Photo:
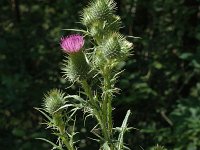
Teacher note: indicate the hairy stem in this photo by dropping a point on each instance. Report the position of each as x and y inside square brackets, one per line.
[98, 113]
[107, 105]
[61, 127]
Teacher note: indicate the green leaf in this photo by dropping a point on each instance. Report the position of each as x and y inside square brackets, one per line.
[77, 30]
[120, 144]
[40, 110]
[196, 64]
[157, 65]
[76, 97]
[185, 56]
[54, 145]
[106, 146]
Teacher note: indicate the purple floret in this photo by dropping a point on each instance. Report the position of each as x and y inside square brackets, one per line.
[72, 43]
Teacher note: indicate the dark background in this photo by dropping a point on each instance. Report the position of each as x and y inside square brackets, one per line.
[161, 83]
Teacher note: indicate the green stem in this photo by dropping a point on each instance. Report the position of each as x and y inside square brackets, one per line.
[61, 127]
[88, 91]
[98, 113]
[65, 140]
[107, 106]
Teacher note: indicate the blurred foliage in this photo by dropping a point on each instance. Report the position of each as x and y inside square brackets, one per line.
[161, 82]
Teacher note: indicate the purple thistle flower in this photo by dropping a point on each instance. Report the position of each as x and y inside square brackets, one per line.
[72, 43]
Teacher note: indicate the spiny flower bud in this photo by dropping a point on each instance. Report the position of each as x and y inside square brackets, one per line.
[98, 58]
[99, 28]
[53, 100]
[98, 10]
[126, 47]
[111, 47]
[115, 46]
[115, 23]
[96, 29]
[76, 67]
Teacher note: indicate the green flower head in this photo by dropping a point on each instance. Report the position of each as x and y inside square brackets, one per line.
[53, 100]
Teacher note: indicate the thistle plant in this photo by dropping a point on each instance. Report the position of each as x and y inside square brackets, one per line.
[96, 70]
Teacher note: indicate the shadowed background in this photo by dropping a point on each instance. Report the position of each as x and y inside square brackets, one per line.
[160, 84]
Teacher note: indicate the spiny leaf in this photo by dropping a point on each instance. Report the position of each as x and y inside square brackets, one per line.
[54, 145]
[40, 110]
[106, 146]
[134, 37]
[77, 30]
[64, 106]
[123, 127]
[75, 97]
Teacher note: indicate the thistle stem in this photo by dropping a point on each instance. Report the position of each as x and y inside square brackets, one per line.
[88, 91]
[107, 99]
[61, 127]
[65, 140]
[98, 113]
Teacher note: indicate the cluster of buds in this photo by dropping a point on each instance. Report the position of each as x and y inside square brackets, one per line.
[103, 26]
[111, 47]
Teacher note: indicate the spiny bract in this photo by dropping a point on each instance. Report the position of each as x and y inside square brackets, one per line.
[53, 100]
[76, 67]
[98, 10]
